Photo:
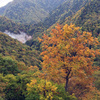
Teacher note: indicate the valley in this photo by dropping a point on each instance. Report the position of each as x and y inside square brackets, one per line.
[50, 50]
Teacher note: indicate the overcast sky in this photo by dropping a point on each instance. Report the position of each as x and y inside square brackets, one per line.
[4, 2]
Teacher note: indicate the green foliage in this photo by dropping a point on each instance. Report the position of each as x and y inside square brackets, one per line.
[8, 66]
[24, 85]
[34, 44]
[59, 15]
[88, 18]
[11, 26]
[14, 93]
[97, 59]
[97, 79]
[62, 94]
[1, 98]
[61, 12]
[45, 90]
[16, 87]
[68, 8]
[18, 51]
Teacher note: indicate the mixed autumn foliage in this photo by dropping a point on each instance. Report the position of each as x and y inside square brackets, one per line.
[70, 64]
[67, 69]
[68, 56]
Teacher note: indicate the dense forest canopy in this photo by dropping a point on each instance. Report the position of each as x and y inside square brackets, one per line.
[61, 61]
[88, 18]
[18, 51]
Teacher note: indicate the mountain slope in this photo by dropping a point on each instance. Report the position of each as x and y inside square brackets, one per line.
[88, 17]
[29, 11]
[66, 9]
[18, 51]
[89, 22]
[11, 26]
[14, 29]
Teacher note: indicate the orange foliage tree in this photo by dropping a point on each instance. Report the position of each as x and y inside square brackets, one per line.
[68, 53]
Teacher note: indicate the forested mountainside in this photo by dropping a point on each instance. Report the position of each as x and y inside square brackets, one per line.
[66, 9]
[59, 15]
[13, 27]
[62, 61]
[88, 18]
[18, 51]
[29, 11]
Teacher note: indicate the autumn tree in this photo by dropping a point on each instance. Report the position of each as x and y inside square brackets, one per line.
[68, 53]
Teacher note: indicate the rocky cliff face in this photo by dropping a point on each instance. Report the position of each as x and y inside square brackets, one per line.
[22, 37]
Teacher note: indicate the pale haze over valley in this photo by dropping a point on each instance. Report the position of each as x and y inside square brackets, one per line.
[4, 2]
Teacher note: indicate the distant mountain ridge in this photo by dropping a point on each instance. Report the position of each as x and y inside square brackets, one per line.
[29, 11]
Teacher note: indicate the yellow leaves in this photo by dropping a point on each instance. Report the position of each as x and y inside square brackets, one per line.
[84, 33]
[87, 52]
[76, 28]
[81, 52]
[73, 39]
[89, 34]
[31, 85]
[91, 39]
[43, 53]
[49, 48]
[85, 41]
[45, 57]
[67, 30]
[96, 41]
[40, 40]
[45, 88]
[32, 68]
[93, 55]
[66, 49]
[33, 82]
[65, 27]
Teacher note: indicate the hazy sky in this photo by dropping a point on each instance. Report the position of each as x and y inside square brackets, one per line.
[4, 2]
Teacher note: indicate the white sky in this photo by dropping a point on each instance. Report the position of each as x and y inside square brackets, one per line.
[4, 2]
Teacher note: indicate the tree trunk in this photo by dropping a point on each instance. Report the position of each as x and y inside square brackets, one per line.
[66, 85]
[67, 79]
